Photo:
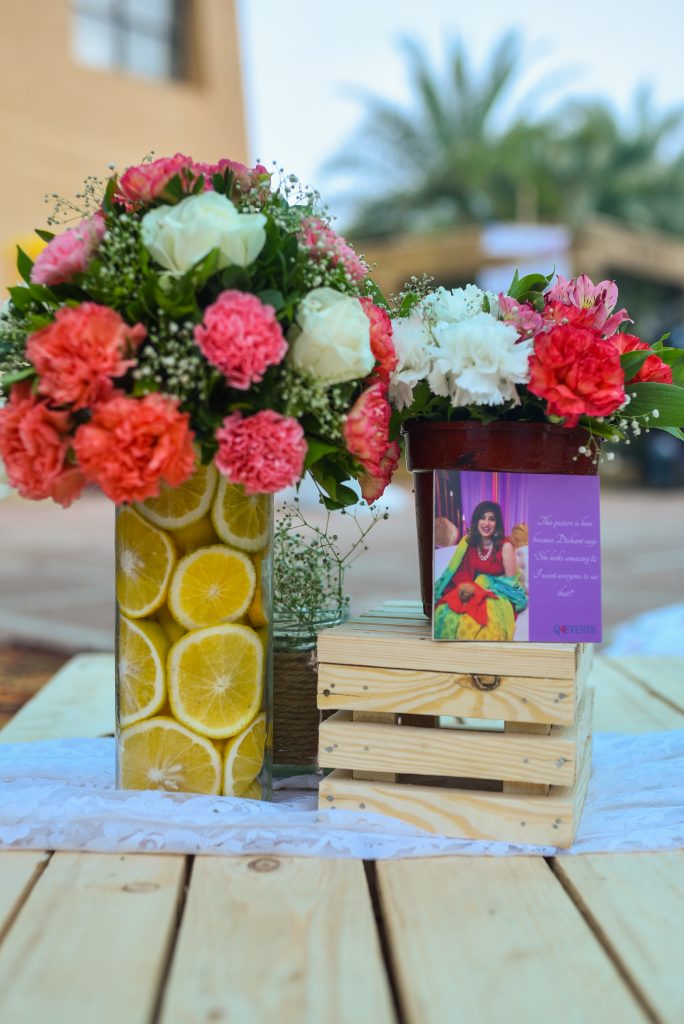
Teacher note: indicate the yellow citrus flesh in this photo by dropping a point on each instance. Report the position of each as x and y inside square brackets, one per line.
[176, 507]
[161, 754]
[256, 613]
[253, 792]
[196, 535]
[240, 519]
[215, 679]
[141, 667]
[173, 630]
[244, 756]
[211, 585]
[145, 557]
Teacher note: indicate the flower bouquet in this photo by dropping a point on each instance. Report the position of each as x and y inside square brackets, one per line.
[532, 381]
[196, 342]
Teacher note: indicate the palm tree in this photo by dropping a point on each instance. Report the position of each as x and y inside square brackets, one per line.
[453, 158]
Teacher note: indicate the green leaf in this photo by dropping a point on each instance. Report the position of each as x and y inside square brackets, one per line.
[272, 297]
[21, 298]
[668, 399]
[407, 303]
[631, 362]
[24, 264]
[675, 431]
[219, 183]
[108, 204]
[531, 285]
[317, 450]
[46, 236]
[16, 376]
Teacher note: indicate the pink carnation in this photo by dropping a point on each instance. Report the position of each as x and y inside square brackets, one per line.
[132, 444]
[366, 428]
[381, 342]
[146, 182]
[373, 485]
[70, 253]
[34, 442]
[241, 336]
[77, 355]
[264, 452]
[325, 244]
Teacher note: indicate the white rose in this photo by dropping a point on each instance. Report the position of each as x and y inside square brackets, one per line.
[479, 361]
[412, 343]
[331, 339]
[178, 237]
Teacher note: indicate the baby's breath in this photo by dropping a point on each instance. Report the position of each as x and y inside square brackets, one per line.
[301, 394]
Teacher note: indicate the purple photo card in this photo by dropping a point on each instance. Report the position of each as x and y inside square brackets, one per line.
[517, 556]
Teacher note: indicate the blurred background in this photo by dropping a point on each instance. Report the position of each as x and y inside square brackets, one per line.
[448, 139]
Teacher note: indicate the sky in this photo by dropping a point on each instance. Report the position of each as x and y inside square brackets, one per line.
[307, 62]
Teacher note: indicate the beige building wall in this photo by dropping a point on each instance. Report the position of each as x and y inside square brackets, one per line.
[62, 121]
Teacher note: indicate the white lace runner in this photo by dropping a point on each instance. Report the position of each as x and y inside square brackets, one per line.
[60, 795]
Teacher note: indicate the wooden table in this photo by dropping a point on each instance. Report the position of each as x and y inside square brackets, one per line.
[99, 938]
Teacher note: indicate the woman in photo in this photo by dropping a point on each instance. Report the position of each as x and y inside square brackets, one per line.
[479, 594]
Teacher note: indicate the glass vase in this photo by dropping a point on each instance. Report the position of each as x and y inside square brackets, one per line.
[295, 677]
[194, 640]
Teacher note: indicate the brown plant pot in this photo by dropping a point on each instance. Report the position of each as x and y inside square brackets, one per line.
[467, 444]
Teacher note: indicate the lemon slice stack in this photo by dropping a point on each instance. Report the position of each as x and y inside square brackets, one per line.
[191, 653]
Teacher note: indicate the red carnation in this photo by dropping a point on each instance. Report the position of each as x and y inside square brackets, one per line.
[653, 370]
[381, 342]
[366, 428]
[577, 373]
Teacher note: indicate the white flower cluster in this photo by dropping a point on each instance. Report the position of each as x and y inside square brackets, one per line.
[464, 353]
[5, 487]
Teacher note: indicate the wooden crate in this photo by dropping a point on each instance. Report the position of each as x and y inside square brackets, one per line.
[472, 740]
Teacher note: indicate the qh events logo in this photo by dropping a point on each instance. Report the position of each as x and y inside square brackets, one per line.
[574, 630]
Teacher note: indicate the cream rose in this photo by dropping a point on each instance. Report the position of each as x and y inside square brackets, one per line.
[331, 339]
[179, 236]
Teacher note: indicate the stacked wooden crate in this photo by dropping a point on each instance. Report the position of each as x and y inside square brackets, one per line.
[472, 740]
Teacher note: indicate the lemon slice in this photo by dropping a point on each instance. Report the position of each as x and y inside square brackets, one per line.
[244, 756]
[176, 507]
[141, 667]
[196, 535]
[212, 585]
[253, 792]
[173, 630]
[145, 557]
[255, 612]
[161, 754]
[240, 519]
[215, 679]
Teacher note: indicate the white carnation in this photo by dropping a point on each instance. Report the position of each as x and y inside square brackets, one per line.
[412, 343]
[478, 361]
[452, 307]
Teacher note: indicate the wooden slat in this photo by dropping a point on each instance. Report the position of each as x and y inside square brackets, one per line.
[19, 870]
[266, 939]
[372, 716]
[466, 813]
[636, 902]
[451, 752]
[531, 788]
[92, 940]
[78, 701]
[623, 705]
[662, 675]
[495, 940]
[516, 698]
[411, 647]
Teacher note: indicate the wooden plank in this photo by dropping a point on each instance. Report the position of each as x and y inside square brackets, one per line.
[19, 870]
[515, 698]
[372, 716]
[468, 813]
[532, 788]
[286, 939]
[412, 647]
[451, 752]
[623, 705]
[636, 903]
[661, 675]
[91, 942]
[495, 940]
[78, 701]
